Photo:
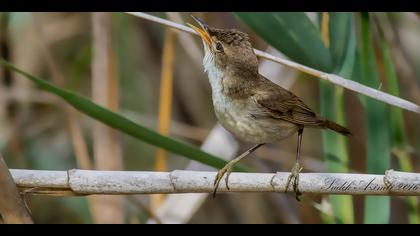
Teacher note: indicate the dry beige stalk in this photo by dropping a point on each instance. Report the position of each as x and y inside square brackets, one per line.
[12, 206]
[165, 104]
[106, 141]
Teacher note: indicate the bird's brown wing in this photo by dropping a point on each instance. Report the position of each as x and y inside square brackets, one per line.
[282, 104]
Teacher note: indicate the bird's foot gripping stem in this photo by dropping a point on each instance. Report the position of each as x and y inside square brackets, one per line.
[295, 176]
[225, 170]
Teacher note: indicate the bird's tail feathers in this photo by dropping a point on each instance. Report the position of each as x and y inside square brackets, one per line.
[336, 127]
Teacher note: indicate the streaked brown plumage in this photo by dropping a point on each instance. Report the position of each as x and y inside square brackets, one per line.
[246, 103]
[283, 104]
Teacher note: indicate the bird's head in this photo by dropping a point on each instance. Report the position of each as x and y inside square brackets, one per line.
[226, 49]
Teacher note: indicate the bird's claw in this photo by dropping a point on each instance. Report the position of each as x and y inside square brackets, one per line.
[225, 170]
[295, 176]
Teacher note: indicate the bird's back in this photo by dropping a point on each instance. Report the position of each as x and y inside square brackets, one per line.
[282, 104]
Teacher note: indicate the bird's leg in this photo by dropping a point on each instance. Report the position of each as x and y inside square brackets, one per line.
[296, 168]
[227, 169]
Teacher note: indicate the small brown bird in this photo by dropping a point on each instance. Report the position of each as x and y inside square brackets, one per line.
[247, 104]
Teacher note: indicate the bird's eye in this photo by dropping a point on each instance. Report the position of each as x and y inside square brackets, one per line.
[219, 46]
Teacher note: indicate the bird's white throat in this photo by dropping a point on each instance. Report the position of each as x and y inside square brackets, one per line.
[214, 73]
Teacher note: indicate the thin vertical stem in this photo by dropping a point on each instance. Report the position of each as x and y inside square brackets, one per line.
[165, 103]
[325, 29]
[332, 107]
[377, 209]
[106, 144]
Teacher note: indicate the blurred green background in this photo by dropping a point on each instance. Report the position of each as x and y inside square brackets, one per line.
[380, 50]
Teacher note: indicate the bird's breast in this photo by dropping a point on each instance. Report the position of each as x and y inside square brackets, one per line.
[237, 116]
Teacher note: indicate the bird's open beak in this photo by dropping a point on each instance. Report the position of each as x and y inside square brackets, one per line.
[203, 31]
